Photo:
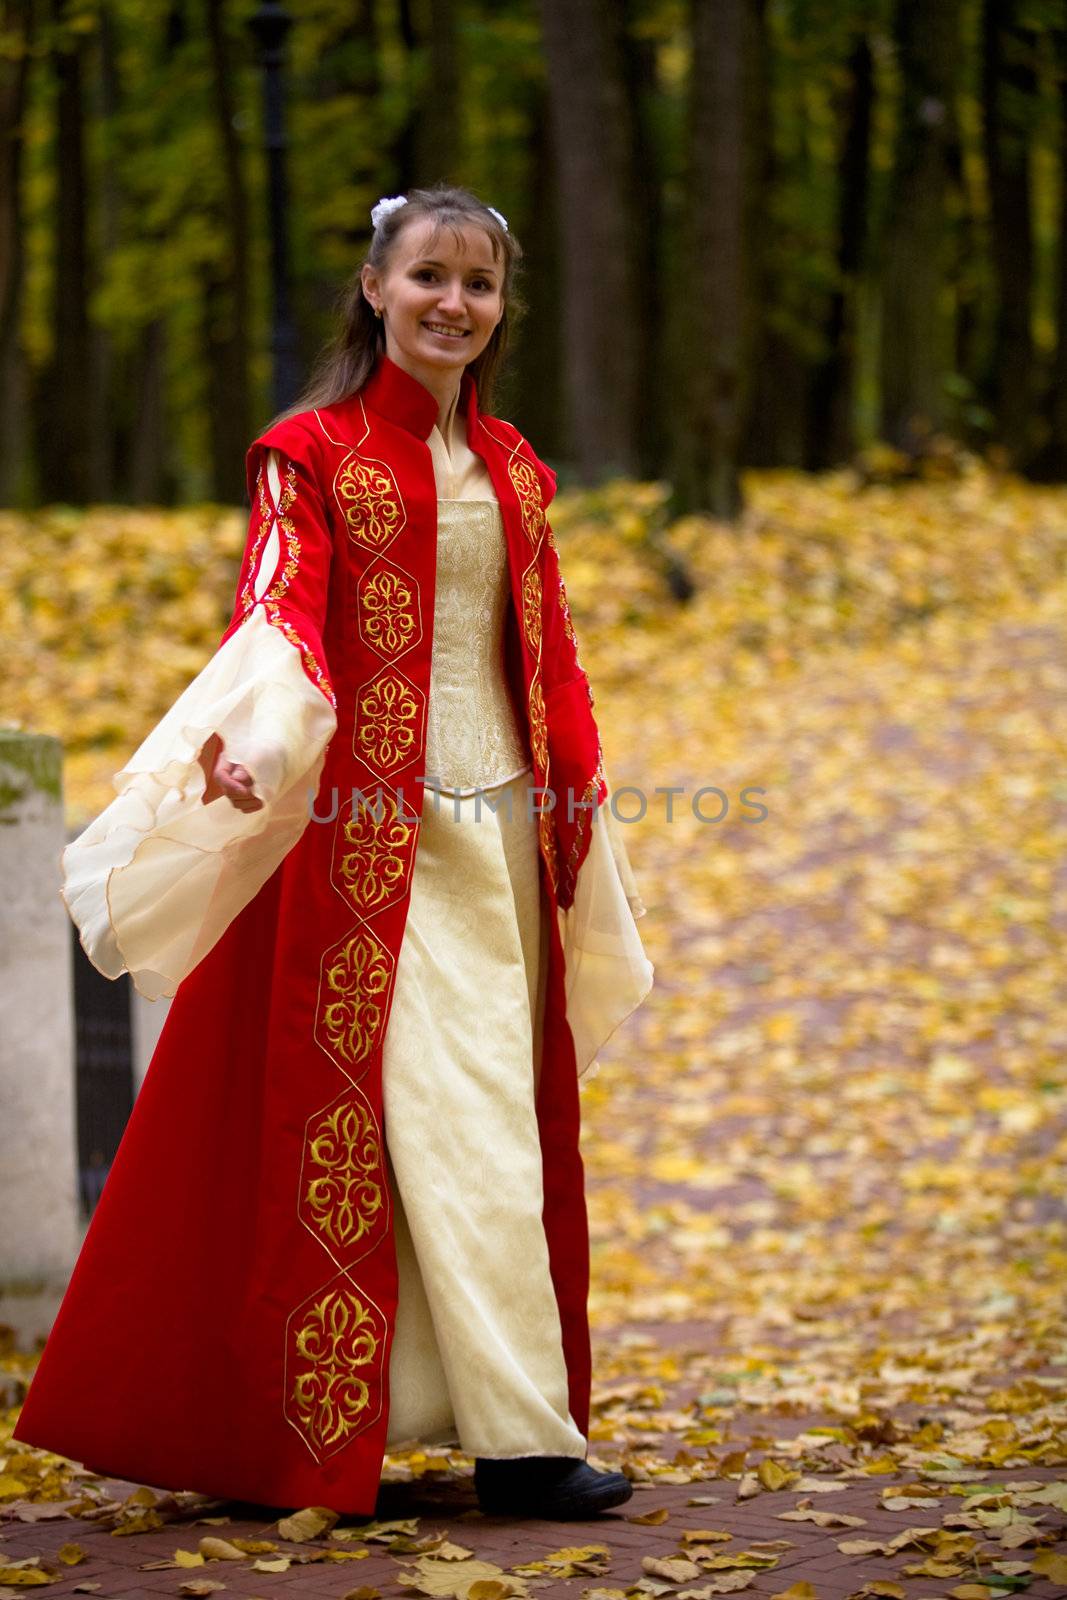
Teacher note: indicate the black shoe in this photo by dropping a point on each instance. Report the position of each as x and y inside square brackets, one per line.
[559, 1488]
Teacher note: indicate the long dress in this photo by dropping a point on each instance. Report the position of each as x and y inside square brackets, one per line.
[477, 1355]
[158, 877]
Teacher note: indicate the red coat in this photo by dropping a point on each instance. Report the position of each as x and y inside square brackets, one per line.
[229, 1321]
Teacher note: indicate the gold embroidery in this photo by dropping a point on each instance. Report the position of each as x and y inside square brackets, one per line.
[370, 503]
[583, 818]
[388, 618]
[248, 588]
[549, 847]
[374, 870]
[352, 993]
[388, 721]
[342, 1192]
[292, 543]
[528, 488]
[332, 1360]
[307, 655]
[531, 609]
[538, 727]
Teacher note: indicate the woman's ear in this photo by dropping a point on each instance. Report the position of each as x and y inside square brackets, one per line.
[369, 280]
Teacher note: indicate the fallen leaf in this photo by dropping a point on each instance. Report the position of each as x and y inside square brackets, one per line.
[309, 1523]
[823, 1519]
[214, 1549]
[674, 1568]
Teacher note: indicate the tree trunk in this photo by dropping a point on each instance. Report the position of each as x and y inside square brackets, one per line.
[17, 25]
[226, 289]
[148, 443]
[439, 125]
[1054, 455]
[66, 412]
[831, 437]
[651, 417]
[916, 338]
[1009, 86]
[533, 377]
[601, 310]
[723, 182]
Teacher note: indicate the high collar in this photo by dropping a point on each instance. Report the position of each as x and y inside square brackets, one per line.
[397, 396]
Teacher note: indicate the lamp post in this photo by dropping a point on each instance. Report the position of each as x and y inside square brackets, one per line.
[270, 24]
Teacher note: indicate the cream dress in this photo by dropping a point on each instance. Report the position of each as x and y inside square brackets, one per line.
[477, 1357]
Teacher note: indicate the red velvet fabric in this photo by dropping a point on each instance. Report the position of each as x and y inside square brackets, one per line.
[229, 1320]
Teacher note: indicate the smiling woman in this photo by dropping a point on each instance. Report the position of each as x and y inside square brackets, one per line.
[364, 1104]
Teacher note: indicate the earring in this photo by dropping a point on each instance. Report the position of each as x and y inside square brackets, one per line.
[377, 311]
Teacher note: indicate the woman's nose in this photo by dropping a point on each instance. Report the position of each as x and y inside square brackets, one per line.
[452, 296]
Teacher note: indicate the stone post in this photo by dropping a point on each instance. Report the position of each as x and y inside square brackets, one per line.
[40, 1218]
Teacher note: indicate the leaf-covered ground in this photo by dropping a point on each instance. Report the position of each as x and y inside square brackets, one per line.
[828, 1158]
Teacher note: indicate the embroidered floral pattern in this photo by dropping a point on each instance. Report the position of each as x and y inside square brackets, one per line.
[307, 655]
[248, 587]
[546, 830]
[583, 821]
[388, 616]
[538, 727]
[341, 1188]
[370, 503]
[373, 851]
[531, 609]
[389, 714]
[333, 1367]
[353, 990]
[528, 488]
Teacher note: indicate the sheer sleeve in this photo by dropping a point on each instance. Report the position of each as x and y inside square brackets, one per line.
[608, 974]
[156, 879]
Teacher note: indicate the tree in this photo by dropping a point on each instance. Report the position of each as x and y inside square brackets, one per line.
[916, 334]
[601, 312]
[724, 95]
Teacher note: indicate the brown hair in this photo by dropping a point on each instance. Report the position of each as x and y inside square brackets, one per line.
[347, 361]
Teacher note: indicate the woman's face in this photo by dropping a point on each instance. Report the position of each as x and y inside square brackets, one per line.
[441, 297]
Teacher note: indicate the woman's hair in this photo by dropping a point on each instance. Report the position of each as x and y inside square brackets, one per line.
[348, 360]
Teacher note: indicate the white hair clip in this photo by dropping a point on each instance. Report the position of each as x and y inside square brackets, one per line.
[503, 221]
[384, 206]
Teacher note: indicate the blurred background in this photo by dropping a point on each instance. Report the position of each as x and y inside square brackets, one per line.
[758, 232]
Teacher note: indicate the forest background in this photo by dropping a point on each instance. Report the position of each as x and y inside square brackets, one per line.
[757, 232]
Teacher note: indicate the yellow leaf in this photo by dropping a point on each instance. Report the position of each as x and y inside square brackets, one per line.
[307, 1524]
[674, 1568]
[1050, 1566]
[772, 1476]
[214, 1549]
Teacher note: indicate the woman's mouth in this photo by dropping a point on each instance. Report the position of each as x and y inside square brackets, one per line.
[442, 327]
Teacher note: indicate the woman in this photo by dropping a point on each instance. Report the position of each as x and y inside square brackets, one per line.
[364, 852]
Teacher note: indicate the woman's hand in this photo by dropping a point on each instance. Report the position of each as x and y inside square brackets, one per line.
[227, 778]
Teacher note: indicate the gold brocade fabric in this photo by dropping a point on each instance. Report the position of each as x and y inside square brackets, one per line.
[473, 736]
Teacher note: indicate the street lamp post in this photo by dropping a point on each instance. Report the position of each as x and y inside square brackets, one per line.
[270, 24]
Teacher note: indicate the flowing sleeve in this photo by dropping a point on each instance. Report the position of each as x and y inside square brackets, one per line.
[608, 974]
[158, 876]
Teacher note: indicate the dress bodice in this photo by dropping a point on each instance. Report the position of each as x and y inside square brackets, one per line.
[473, 739]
